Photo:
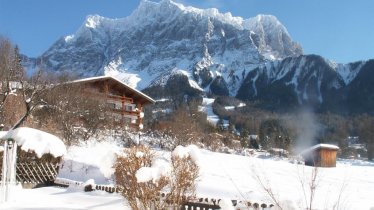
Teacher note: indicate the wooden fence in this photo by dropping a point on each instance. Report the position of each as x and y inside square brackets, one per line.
[32, 171]
[193, 205]
[35, 173]
[109, 189]
[201, 206]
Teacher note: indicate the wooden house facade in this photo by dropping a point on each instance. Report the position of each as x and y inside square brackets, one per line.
[125, 105]
[321, 155]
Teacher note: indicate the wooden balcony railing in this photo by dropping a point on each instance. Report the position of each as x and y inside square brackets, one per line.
[125, 112]
[100, 95]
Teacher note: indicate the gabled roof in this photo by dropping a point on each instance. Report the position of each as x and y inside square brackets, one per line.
[102, 78]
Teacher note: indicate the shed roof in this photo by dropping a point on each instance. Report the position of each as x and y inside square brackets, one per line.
[30, 139]
[320, 146]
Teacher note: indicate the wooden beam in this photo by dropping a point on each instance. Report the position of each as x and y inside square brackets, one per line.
[124, 112]
[106, 87]
[121, 98]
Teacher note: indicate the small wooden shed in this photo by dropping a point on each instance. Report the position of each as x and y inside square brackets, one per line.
[321, 155]
[33, 155]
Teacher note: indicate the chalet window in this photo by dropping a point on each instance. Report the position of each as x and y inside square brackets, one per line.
[114, 105]
[129, 108]
[111, 105]
[118, 106]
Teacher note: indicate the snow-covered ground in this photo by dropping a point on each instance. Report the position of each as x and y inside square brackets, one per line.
[91, 160]
[55, 198]
[234, 177]
[222, 176]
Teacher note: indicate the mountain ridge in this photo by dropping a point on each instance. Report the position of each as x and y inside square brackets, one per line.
[182, 37]
[208, 52]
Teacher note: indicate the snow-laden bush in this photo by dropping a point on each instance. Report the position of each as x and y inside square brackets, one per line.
[144, 178]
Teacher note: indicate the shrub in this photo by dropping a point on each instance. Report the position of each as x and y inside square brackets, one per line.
[177, 184]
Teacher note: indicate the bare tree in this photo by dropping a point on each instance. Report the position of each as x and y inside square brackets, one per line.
[309, 186]
[7, 73]
[364, 125]
[264, 183]
[14, 83]
[68, 111]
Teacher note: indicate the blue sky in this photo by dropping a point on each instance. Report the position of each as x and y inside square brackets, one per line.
[340, 30]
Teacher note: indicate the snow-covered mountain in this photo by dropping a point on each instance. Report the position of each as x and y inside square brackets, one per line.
[166, 48]
[160, 39]
[311, 80]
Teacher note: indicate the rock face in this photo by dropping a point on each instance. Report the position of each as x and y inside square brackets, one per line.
[163, 37]
[170, 49]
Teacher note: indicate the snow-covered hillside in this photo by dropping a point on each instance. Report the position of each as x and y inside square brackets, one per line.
[161, 36]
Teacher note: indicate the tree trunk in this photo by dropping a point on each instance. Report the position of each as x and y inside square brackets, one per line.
[370, 148]
[24, 117]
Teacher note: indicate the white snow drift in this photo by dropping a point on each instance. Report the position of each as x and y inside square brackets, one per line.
[40, 142]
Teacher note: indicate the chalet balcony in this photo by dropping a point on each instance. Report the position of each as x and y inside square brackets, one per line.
[102, 95]
[125, 112]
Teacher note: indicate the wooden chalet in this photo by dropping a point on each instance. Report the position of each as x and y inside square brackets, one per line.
[125, 104]
[321, 155]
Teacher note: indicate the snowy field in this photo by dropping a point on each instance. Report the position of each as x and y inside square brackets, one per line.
[55, 198]
[348, 186]
[234, 177]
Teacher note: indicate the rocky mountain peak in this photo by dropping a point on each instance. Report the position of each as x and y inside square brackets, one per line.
[274, 40]
[163, 37]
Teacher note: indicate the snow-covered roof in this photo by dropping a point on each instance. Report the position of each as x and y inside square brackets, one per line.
[40, 142]
[320, 146]
[253, 136]
[92, 79]
[2, 134]
[325, 146]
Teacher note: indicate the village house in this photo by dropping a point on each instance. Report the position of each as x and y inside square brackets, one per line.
[125, 104]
